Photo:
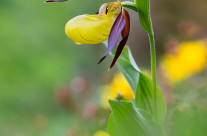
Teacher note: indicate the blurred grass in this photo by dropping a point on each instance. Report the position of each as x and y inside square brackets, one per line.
[187, 116]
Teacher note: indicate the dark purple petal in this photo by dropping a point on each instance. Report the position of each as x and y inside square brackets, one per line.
[119, 50]
[125, 35]
[114, 35]
[56, 0]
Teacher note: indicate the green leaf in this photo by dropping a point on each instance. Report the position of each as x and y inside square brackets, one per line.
[128, 67]
[126, 120]
[143, 8]
[144, 99]
[141, 86]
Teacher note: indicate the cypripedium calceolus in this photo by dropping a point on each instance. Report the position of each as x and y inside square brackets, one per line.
[111, 21]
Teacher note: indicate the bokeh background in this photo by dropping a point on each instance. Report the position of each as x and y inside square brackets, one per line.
[51, 87]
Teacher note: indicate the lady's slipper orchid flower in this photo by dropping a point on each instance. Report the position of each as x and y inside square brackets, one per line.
[111, 21]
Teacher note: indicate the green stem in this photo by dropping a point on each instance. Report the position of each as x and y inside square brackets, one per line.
[153, 68]
[130, 5]
[149, 29]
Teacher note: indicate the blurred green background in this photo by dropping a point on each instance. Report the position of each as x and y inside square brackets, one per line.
[38, 61]
[36, 58]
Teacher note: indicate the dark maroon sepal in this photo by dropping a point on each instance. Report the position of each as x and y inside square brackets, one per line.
[116, 30]
[56, 0]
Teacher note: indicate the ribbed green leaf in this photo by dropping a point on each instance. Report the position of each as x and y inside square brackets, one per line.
[129, 68]
[141, 86]
[144, 100]
[126, 120]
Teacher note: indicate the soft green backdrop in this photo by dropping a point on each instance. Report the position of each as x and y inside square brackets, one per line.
[35, 58]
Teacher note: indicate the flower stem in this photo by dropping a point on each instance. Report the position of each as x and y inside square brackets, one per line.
[130, 5]
[153, 68]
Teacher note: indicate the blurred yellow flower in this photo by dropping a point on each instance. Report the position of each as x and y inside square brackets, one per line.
[100, 133]
[117, 89]
[190, 58]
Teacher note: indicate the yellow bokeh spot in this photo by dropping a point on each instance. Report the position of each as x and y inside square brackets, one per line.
[190, 58]
[119, 87]
[101, 133]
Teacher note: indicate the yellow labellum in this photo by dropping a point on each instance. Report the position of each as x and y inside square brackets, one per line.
[93, 29]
